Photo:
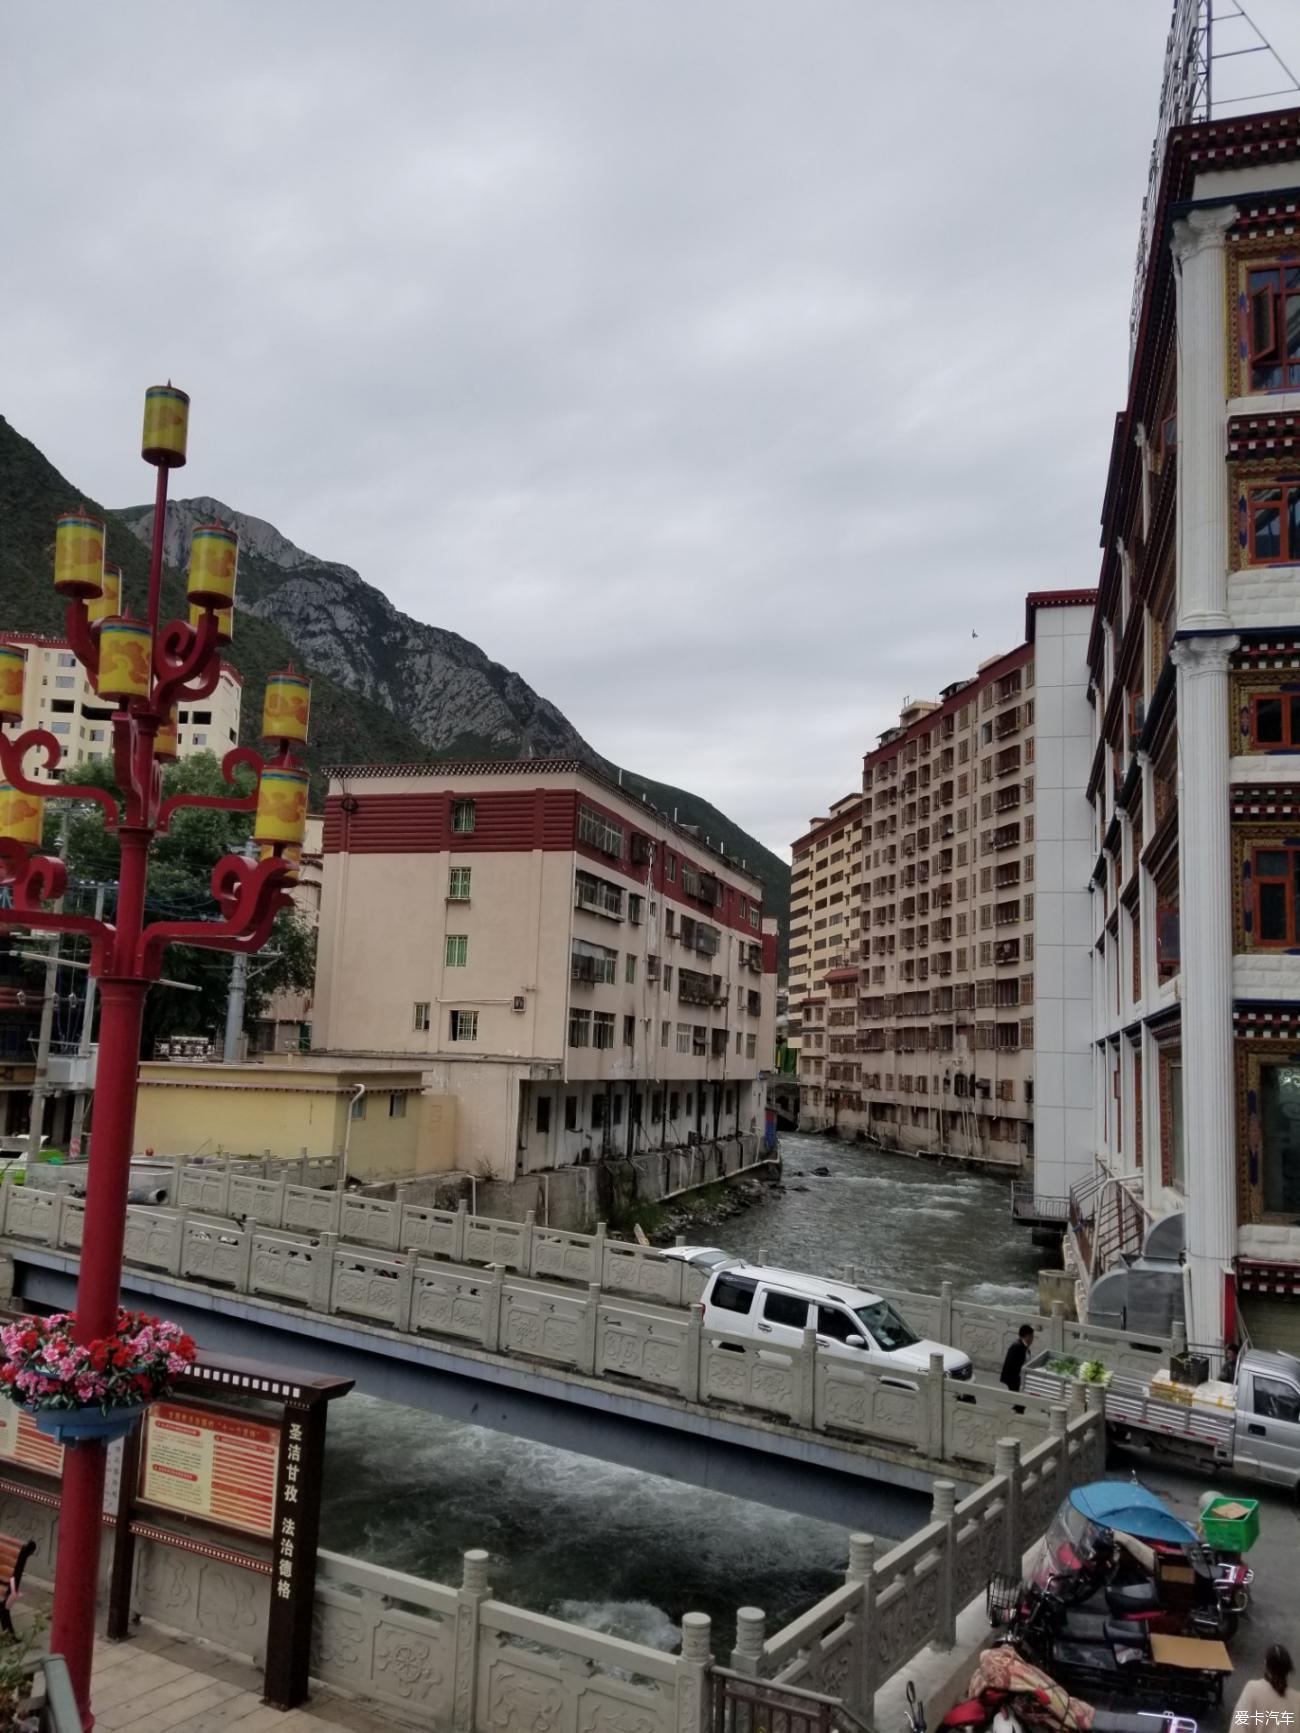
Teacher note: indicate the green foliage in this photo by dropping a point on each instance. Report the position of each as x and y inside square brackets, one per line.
[180, 888]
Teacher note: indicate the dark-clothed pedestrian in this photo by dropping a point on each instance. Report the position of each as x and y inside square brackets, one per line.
[1017, 1354]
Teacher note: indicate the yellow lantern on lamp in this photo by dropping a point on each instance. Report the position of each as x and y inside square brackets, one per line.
[281, 805]
[22, 816]
[286, 709]
[214, 560]
[13, 667]
[109, 600]
[79, 556]
[225, 621]
[125, 659]
[166, 426]
[290, 853]
[167, 741]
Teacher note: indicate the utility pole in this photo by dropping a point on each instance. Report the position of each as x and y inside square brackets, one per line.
[40, 1082]
[83, 1043]
[238, 991]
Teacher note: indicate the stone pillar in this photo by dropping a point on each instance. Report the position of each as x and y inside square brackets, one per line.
[946, 1609]
[1198, 248]
[1007, 1466]
[1205, 930]
[751, 1634]
[693, 1706]
[860, 1691]
[474, 1590]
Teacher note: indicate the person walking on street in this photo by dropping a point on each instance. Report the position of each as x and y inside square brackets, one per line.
[1017, 1354]
[1273, 1696]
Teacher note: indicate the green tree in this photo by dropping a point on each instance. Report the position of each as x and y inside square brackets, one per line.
[180, 888]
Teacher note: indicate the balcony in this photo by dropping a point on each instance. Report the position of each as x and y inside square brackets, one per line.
[1008, 799]
[695, 989]
[1006, 951]
[754, 1004]
[1008, 876]
[1007, 762]
[1006, 836]
[598, 898]
[1007, 724]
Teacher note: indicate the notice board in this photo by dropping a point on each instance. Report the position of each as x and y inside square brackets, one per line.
[22, 1441]
[217, 1465]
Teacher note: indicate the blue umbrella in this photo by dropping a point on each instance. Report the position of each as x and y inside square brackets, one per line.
[1130, 1508]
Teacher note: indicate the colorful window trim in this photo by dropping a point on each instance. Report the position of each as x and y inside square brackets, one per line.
[1272, 722]
[1274, 894]
[1272, 325]
[1269, 520]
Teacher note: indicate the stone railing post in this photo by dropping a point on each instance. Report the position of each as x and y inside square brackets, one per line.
[1056, 1329]
[223, 1191]
[692, 1352]
[322, 1287]
[590, 1329]
[6, 1192]
[751, 1633]
[1058, 1418]
[934, 1402]
[807, 1397]
[406, 1290]
[1007, 1467]
[693, 1706]
[474, 1590]
[492, 1321]
[56, 1221]
[945, 1312]
[1078, 1400]
[174, 1184]
[945, 1608]
[526, 1239]
[862, 1681]
[598, 1256]
[245, 1284]
[178, 1242]
[458, 1232]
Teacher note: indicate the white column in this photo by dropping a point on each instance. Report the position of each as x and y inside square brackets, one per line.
[1205, 931]
[1198, 243]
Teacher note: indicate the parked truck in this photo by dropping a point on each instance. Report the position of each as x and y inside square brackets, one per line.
[1251, 1425]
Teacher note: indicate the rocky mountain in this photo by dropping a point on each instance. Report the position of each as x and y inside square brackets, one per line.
[459, 702]
[385, 686]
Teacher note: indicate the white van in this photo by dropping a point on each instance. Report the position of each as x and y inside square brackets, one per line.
[775, 1307]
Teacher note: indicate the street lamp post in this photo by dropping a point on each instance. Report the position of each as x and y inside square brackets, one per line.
[143, 670]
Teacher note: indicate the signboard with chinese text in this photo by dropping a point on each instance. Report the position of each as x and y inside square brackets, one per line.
[212, 1464]
[22, 1442]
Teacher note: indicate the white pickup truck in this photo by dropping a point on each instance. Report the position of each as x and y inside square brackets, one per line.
[1251, 1426]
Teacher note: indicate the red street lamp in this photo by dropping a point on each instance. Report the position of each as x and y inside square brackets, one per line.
[144, 671]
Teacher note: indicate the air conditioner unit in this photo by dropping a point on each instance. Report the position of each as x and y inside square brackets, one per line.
[519, 1003]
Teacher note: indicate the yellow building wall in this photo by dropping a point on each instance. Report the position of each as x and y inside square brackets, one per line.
[258, 1109]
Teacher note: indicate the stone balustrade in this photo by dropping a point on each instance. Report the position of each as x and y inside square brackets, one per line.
[455, 1658]
[579, 1330]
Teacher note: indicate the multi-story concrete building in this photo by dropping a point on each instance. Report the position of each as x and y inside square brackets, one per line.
[1195, 779]
[584, 976]
[918, 1027]
[58, 696]
[824, 888]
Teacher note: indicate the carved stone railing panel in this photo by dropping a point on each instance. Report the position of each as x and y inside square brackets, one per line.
[863, 1402]
[438, 1232]
[222, 1603]
[976, 1416]
[644, 1273]
[386, 1636]
[308, 1210]
[565, 1257]
[215, 1252]
[367, 1285]
[494, 1242]
[638, 1345]
[1120, 1350]
[449, 1302]
[537, 1673]
[369, 1221]
[907, 1600]
[152, 1239]
[734, 1370]
[542, 1325]
[29, 1212]
[256, 1200]
[72, 1225]
[978, 1540]
[284, 1269]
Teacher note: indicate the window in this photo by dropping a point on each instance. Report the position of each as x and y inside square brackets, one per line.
[618, 1110]
[838, 1325]
[670, 873]
[1276, 878]
[1177, 1150]
[463, 1026]
[1279, 1092]
[629, 969]
[462, 817]
[65, 681]
[595, 964]
[629, 1031]
[358, 1108]
[598, 895]
[570, 1113]
[755, 916]
[202, 716]
[543, 1120]
[665, 1030]
[60, 728]
[700, 1040]
[456, 950]
[733, 1294]
[97, 734]
[751, 1046]
[674, 1103]
[64, 660]
[635, 906]
[1275, 1399]
[1273, 520]
[1273, 326]
[1275, 720]
[597, 1112]
[602, 1029]
[599, 832]
[683, 1037]
[668, 976]
[788, 1309]
[199, 739]
[579, 1028]
[458, 884]
[420, 1014]
[396, 1106]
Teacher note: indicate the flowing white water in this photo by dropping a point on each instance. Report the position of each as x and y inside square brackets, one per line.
[629, 1553]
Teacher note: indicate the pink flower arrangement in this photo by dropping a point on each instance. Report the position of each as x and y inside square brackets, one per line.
[45, 1368]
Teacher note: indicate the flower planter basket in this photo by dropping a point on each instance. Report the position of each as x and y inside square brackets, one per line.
[79, 1425]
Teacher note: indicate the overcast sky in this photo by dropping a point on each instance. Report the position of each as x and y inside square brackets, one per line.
[719, 366]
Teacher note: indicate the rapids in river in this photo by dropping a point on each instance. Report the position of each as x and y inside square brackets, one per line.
[629, 1553]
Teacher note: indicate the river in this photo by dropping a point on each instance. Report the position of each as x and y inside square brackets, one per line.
[629, 1553]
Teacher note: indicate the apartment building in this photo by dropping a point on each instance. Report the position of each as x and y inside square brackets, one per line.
[917, 1028]
[823, 934]
[1195, 780]
[58, 696]
[585, 977]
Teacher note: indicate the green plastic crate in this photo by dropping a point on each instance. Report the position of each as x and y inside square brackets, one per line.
[1237, 1534]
